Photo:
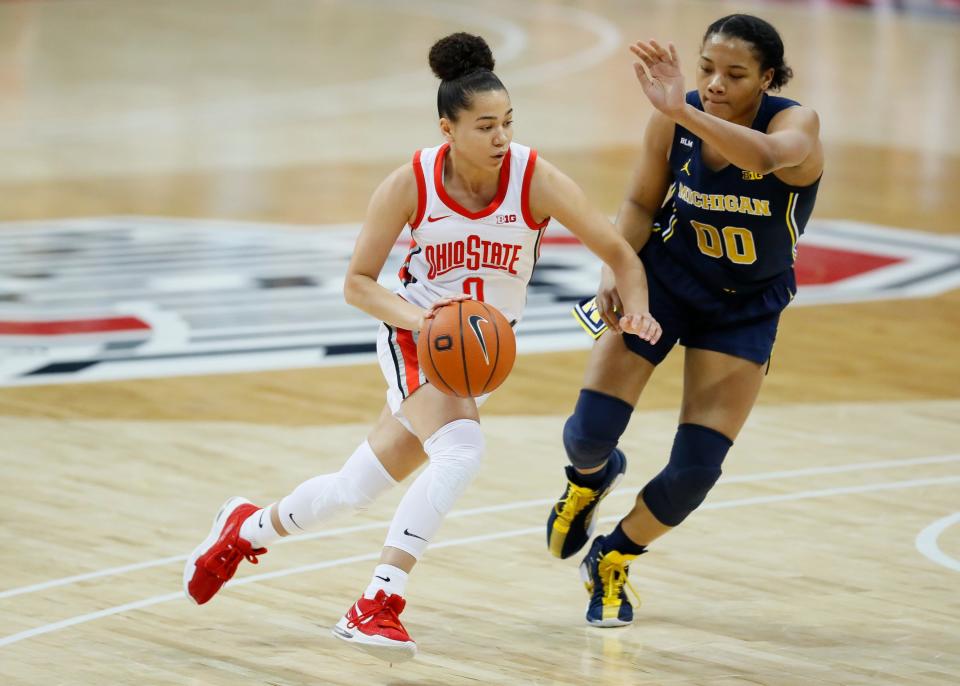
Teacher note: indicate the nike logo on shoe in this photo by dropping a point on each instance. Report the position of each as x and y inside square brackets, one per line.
[436, 219]
[340, 632]
[383, 578]
[260, 522]
[295, 522]
[406, 532]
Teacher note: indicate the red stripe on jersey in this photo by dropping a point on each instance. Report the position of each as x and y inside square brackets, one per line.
[404, 273]
[421, 190]
[72, 326]
[453, 204]
[410, 364]
[525, 195]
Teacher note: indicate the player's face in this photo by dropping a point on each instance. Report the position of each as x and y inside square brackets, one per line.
[729, 78]
[483, 132]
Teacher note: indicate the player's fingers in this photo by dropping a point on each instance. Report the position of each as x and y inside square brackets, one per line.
[615, 302]
[649, 328]
[658, 50]
[673, 54]
[631, 324]
[656, 334]
[645, 81]
[640, 326]
[605, 308]
[645, 54]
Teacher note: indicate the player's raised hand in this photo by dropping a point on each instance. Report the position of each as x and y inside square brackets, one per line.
[643, 325]
[663, 86]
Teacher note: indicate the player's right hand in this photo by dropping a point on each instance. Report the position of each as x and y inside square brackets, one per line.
[642, 325]
[442, 302]
[609, 305]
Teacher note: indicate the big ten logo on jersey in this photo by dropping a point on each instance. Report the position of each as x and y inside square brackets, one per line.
[473, 253]
[506, 219]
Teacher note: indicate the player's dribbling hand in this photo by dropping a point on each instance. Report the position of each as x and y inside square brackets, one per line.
[664, 85]
[431, 312]
[609, 305]
[641, 325]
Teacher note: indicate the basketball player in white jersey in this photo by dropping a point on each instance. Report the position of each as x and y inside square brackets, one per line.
[477, 206]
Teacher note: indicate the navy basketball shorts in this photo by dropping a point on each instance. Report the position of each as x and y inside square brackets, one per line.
[742, 325]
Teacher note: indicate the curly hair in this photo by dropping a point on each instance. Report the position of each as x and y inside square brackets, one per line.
[464, 64]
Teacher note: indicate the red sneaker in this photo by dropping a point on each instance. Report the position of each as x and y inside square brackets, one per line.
[214, 562]
[374, 625]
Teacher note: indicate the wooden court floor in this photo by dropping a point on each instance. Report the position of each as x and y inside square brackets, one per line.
[828, 554]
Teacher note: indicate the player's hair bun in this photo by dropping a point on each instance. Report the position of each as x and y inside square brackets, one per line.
[460, 54]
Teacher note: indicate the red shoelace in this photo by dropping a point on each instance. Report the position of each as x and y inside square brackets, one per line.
[225, 564]
[387, 607]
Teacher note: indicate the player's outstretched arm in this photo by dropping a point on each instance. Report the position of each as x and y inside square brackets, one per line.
[554, 194]
[792, 139]
[648, 187]
[392, 205]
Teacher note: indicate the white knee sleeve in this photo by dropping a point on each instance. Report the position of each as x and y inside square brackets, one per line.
[455, 452]
[358, 483]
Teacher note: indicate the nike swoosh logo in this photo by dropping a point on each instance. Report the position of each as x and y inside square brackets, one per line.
[406, 532]
[384, 578]
[295, 522]
[475, 320]
[436, 219]
[261, 518]
[340, 632]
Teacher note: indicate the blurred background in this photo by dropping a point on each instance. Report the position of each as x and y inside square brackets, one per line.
[181, 183]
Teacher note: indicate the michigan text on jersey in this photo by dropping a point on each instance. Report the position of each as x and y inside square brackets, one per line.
[724, 203]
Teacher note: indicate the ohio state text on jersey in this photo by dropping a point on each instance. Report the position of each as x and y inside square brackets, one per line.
[489, 254]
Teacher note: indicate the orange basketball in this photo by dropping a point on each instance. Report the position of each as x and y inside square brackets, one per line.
[467, 349]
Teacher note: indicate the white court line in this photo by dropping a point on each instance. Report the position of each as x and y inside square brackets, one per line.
[516, 505]
[927, 542]
[156, 600]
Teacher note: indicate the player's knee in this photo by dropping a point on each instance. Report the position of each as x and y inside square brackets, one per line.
[362, 479]
[593, 430]
[352, 496]
[694, 467]
[455, 452]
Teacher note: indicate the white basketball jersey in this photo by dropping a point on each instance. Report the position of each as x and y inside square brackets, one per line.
[488, 254]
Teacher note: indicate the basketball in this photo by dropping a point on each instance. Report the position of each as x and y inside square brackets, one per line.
[467, 349]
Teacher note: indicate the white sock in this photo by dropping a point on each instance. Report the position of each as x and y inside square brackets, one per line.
[455, 451]
[258, 528]
[389, 578]
[358, 483]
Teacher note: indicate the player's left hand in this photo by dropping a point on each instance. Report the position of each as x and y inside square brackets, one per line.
[664, 85]
[642, 325]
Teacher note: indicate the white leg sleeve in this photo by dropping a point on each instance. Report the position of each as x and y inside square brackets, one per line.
[358, 483]
[455, 452]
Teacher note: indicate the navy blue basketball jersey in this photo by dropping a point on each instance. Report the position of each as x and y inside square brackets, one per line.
[735, 230]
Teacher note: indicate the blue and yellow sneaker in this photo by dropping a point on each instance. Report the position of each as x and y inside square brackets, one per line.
[604, 574]
[573, 518]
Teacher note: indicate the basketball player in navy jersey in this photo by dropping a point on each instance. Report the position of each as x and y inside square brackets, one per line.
[726, 182]
[488, 199]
